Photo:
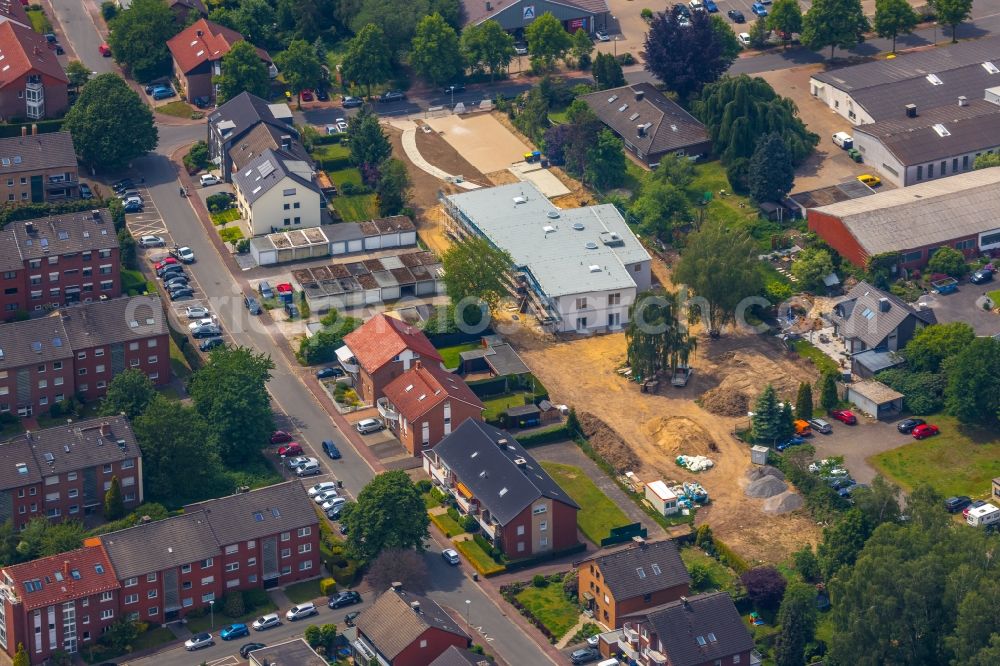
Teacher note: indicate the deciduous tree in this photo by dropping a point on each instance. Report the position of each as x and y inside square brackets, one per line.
[605, 162]
[931, 345]
[369, 59]
[878, 503]
[765, 586]
[971, 394]
[730, 46]
[114, 507]
[952, 12]
[810, 268]
[474, 269]
[660, 208]
[129, 393]
[138, 39]
[242, 71]
[110, 125]
[393, 188]
[301, 67]
[255, 20]
[797, 620]
[785, 17]
[435, 53]
[894, 18]
[842, 542]
[398, 566]
[771, 172]
[834, 23]
[547, 41]
[949, 261]
[488, 47]
[607, 72]
[582, 48]
[78, 74]
[389, 514]
[685, 57]
[657, 339]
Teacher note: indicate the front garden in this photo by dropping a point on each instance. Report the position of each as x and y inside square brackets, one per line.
[598, 514]
[549, 602]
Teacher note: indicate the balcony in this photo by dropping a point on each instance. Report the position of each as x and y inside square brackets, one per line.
[387, 410]
[60, 183]
[654, 657]
[438, 472]
[629, 651]
[488, 528]
[631, 635]
[347, 360]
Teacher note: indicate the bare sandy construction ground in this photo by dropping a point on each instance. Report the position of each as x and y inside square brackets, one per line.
[481, 140]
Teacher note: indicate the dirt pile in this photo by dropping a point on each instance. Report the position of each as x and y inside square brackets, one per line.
[766, 486]
[725, 402]
[749, 373]
[765, 470]
[608, 443]
[786, 502]
[678, 435]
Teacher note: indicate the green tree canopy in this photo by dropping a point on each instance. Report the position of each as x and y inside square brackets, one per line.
[110, 125]
[300, 66]
[738, 110]
[829, 398]
[41, 538]
[488, 47]
[797, 619]
[389, 513]
[369, 144]
[771, 172]
[660, 208]
[834, 23]
[582, 47]
[894, 18]
[842, 542]
[547, 41]
[129, 393]
[475, 269]
[138, 39]
[686, 57]
[785, 17]
[605, 162]
[230, 392]
[769, 425]
[114, 506]
[804, 402]
[952, 12]
[607, 72]
[393, 188]
[398, 20]
[878, 503]
[21, 656]
[255, 20]
[810, 267]
[931, 345]
[729, 45]
[78, 74]
[971, 394]
[987, 160]
[949, 261]
[369, 60]
[720, 266]
[657, 339]
[242, 71]
[435, 53]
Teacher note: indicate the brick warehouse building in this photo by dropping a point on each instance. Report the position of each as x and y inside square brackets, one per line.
[159, 571]
[78, 350]
[59, 260]
[64, 472]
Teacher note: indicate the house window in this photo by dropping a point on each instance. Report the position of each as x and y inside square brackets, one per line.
[232, 548]
[581, 304]
[153, 610]
[920, 172]
[151, 578]
[206, 563]
[286, 536]
[965, 163]
[614, 299]
[305, 531]
[305, 548]
[208, 580]
[736, 658]
[205, 598]
[520, 546]
[131, 598]
[286, 552]
[233, 566]
[185, 568]
[543, 526]
[520, 530]
[930, 170]
[541, 508]
[646, 598]
[131, 582]
[108, 614]
[107, 596]
[305, 566]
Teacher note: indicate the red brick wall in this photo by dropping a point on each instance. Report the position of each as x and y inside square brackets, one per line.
[139, 354]
[563, 527]
[436, 642]
[36, 376]
[80, 270]
[833, 231]
[89, 626]
[12, 294]
[56, 96]
[412, 439]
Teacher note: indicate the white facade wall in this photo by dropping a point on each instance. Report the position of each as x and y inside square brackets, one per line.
[841, 102]
[595, 307]
[268, 213]
[878, 156]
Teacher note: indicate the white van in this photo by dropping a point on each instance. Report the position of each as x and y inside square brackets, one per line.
[610, 662]
[844, 140]
[984, 515]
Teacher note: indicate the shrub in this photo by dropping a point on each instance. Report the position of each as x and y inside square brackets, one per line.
[646, 14]
[424, 485]
[470, 524]
[765, 587]
[218, 202]
[539, 581]
[109, 10]
[327, 586]
[571, 584]
[454, 515]
[197, 158]
[701, 576]
[234, 606]
[243, 246]
[253, 599]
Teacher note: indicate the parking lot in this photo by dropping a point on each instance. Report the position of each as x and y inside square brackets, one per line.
[857, 443]
[963, 305]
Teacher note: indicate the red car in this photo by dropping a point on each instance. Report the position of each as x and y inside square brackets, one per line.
[290, 449]
[165, 262]
[845, 416]
[280, 437]
[105, 50]
[307, 95]
[926, 430]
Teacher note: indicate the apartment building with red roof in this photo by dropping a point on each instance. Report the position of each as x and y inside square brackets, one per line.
[33, 84]
[424, 404]
[197, 53]
[380, 350]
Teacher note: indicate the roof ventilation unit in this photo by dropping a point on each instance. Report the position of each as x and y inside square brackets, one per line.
[591, 245]
[578, 226]
[594, 268]
[553, 215]
[935, 80]
[520, 200]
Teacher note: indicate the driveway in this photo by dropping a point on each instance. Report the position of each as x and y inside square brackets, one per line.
[858, 443]
[569, 453]
[961, 306]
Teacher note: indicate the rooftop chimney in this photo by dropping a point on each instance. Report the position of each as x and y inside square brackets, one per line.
[640, 131]
[34, 129]
[963, 100]
[105, 429]
[199, 33]
[286, 141]
[883, 304]
[639, 94]
[521, 463]
[911, 110]
[29, 227]
[24, 130]
[396, 585]
[502, 442]
[639, 541]
[415, 605]
[684, 600]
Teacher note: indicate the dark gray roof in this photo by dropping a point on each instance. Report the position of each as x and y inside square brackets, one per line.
[242, 113]
[260, 138]
[160, 545]
[455, 656]
[72, 447]
[295, 652]
[392, 623]
[344, 231]
[876, 361]
[62, 234]
[482, 458]
[37, 152]
[863, 314]
[670, 127]
[915, 65]
[267, 171]
[505, 361]
[258, 513]
[116, 320]
[967, 129]
[642, 569]
[34, 341]
[682, 626]
[18, 467]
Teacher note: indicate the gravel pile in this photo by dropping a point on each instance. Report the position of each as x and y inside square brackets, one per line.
[765, 470]
[766, 486]
[786, 502]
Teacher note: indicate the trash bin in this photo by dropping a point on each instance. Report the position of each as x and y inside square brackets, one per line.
[475, 576]
[340, 484]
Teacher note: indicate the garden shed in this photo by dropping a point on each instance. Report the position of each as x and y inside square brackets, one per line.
[875, 399]
[662, 498]
[525, 416]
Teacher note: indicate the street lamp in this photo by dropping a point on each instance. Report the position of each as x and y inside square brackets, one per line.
[211, 610]
[468, 605]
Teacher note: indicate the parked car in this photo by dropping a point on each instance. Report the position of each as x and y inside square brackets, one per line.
[280, 437]
[299, 461]
[252, 304]
[392, 96]
[333, 503]
[326, 495]
[956, 504]
[974, 505]
[306, 95]
[266, 622]
[711, 7]
[845, 416]
[171, 272]
[309, 469]
[759, 9]
[331, 449]
[196, 312]
[134, 207]
[175, 281]
[906, 426]
[584, 655]
[345, 598]
[265, 290]
[210, 344]
[184, 254]
[454, 88]
[736, 16]
[696, 6]
[351, 617]
[163, 93]
[794, 440]
[821, 426]
[247, 648]
[208, 179]
[203, 102]
[86, 192]
[602, 36]
[301, 611]
[520, 48]
[870, 180]
[199, 641]
[164, 262]
[290, 449]
[122, 185]
[152, 241]
[206, 331]
[181, 294]
[232, 631]
[366, 426]
[322, 95]
[349, 102]
[321, 487]
[925, 430]
[450, 555]
[843, 140]
[104, 50]
[982, 276]
[327, 372]
[292, 311]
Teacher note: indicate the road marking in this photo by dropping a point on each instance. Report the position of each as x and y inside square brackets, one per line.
[228, 660]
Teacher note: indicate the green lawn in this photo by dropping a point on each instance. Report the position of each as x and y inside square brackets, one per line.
[822, 362]
[228, 215]
[498, 405]
[597, 514]
[177, 109]
[178, 363]
[450, 354]
[995, 297]
[356, 208]
[307, 590]
[39, 21]
[482, 562]
[446, 524]
[198, 624]
[720, 577]
[134, 284]
[346, 175]
[959, 461]
[331, 151]
[551, 607]
[152, 639]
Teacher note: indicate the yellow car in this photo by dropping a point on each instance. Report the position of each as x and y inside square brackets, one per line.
[870, 180]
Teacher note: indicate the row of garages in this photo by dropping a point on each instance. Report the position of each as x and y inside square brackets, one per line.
[334, 240]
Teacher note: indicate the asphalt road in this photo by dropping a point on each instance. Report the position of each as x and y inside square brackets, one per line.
[81, 33]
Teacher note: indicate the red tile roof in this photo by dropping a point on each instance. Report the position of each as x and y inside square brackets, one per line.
[64, 577]
[382, 338]
[422, 387]
[25, 51]
[204, 41]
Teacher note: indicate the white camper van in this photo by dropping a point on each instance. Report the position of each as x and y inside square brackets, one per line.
[984, 515]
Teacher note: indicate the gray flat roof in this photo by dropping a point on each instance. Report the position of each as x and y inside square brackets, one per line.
[567, 251]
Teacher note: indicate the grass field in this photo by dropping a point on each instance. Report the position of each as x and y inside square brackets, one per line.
[178, 364]
[346, 175]
[995, 297]
[597, 514]
[482, 562]
[498, 405]
[198, 624]
[446, 524]
[39, 21]
[959, 461]
[307, 590]
[356, 208]
[177, 109]
[720, 577]
[822, 362]
[331, 151]
[450, 354]
[551, 607]
[228, 215]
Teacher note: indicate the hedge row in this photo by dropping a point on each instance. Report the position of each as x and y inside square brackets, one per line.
[730, 558]
[538, 437]
[8, 130]
[538, 559]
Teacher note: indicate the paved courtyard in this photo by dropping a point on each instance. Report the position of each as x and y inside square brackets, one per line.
[962, 306]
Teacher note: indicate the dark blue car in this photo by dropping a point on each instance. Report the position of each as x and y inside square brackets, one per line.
[331, 449]
[794, 440]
